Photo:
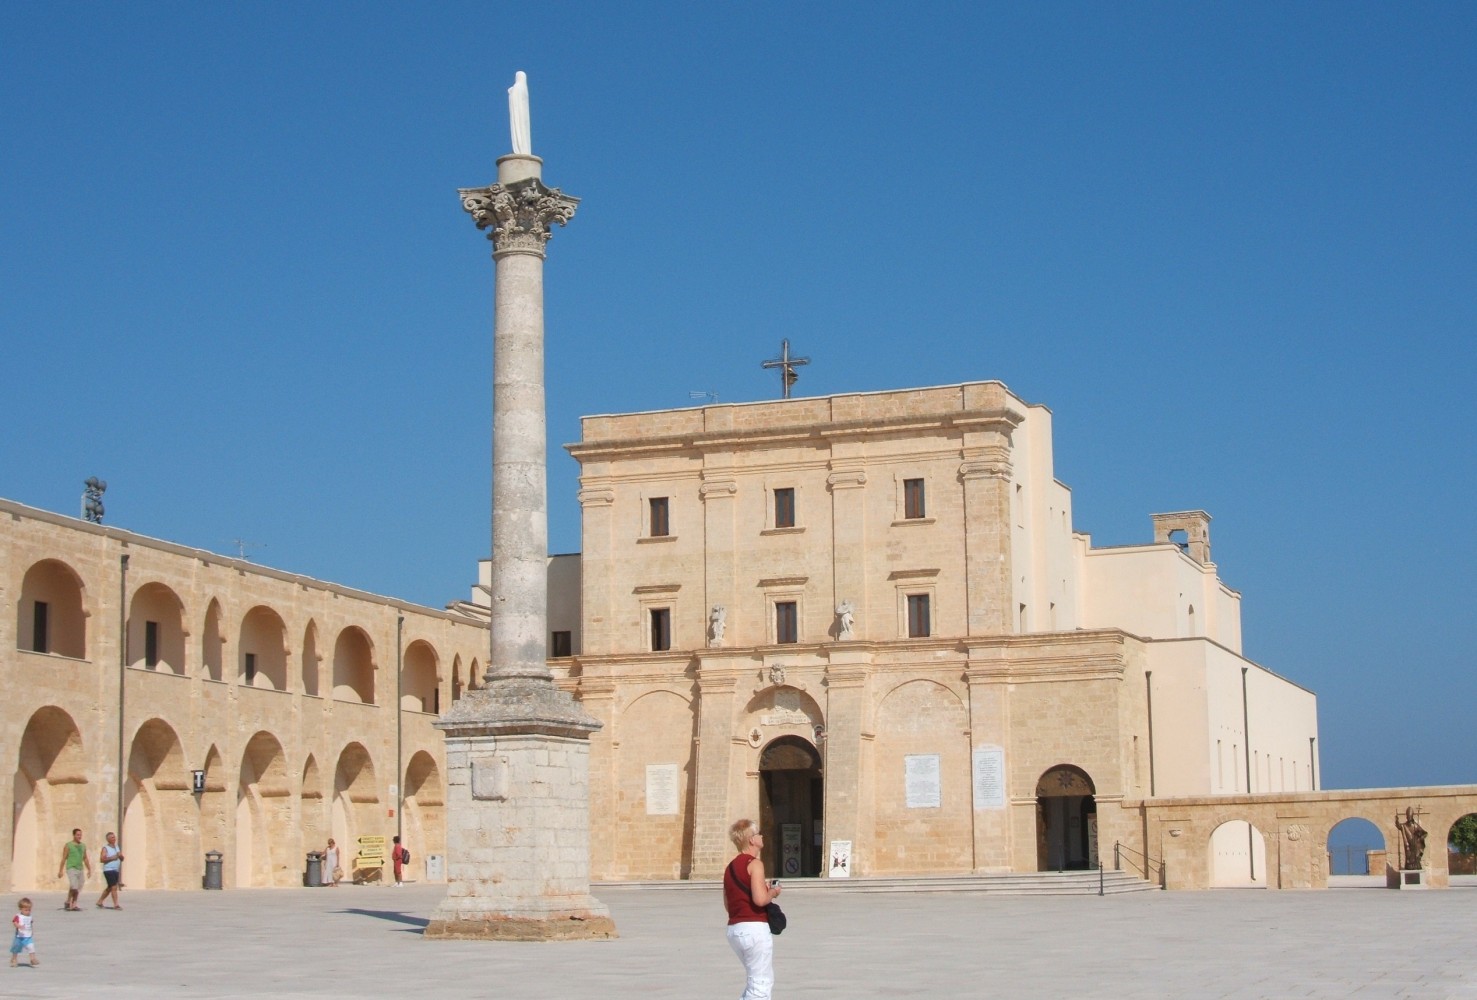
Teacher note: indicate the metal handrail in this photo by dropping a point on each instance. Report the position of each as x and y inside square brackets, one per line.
[1146, 869]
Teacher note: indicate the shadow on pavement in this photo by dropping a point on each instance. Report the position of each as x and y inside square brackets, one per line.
[419, 923]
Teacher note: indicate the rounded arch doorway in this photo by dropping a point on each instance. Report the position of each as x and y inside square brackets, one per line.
[791, 802]
[1066, 820]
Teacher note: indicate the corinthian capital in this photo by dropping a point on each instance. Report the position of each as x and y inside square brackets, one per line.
[519, 214]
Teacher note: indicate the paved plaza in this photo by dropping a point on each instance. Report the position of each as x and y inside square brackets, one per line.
[367, 942]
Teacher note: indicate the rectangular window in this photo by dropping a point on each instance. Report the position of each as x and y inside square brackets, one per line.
[786, 623]
[660, 526]
[661, 629]
[918, 621]
[151, 644]
[561, 644]
[784, 508]
[38, 628]
[913, 506]
[250, 667]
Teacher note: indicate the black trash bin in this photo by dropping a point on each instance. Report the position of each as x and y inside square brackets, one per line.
[313, 876]
[212, 879]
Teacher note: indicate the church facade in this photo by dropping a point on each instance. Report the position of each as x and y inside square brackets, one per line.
[867, 621]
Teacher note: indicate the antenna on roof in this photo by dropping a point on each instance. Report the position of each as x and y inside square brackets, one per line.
[242, 545]
[709, 395]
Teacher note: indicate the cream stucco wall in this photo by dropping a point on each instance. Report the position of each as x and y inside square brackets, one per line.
[304, 749]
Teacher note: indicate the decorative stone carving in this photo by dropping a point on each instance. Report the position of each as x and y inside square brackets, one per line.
[776, 674]
[788, 710]
[717, 624]
[845, 620]
[518, 214]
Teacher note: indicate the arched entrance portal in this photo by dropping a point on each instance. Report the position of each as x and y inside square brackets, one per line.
[1066, 820]
[791, 798]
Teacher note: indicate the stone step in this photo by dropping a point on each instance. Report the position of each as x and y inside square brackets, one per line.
[1084, 883]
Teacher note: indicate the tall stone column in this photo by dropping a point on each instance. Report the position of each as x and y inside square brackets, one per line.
[518, 750]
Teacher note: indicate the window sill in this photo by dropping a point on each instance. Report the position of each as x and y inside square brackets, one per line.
[783, 531]
[648, 539]
[912, 520]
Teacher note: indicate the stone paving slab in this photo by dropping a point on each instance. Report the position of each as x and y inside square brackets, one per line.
[366, 942]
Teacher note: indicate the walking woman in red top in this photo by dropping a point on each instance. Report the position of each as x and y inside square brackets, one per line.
[748, 924]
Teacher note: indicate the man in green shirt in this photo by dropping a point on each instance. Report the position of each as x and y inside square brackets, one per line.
[74, 859]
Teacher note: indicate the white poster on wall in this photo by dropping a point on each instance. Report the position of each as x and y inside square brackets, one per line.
[840, 859]
[661, 789]
[988, 772]
[921, 780]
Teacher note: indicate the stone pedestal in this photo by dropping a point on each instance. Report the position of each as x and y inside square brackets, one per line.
[1405, 878]
[518, 851]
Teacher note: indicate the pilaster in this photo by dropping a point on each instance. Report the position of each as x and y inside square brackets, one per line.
[846, 694]
[985, 475]
[717, 690]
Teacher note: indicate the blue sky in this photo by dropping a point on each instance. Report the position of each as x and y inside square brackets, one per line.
[1233, 247]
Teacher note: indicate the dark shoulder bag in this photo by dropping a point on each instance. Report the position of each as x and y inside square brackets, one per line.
[777, 919]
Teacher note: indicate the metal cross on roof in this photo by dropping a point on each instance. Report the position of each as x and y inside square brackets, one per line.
[787, 366]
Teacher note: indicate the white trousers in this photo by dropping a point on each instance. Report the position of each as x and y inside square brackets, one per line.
[754, 945]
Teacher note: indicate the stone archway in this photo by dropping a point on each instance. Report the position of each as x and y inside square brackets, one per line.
[213, 829]
[353, 666]
[356, 803]
[156, 629]
[51, 796]
[1238, 856]
[791, 807]
[313, 808]
[1066, 820]
[266, 836]
[159, 835]
[51, 615]
[425, 808]
[419, 681]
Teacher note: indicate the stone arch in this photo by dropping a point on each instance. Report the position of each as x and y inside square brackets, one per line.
[921, 728]
[474, 676]
[419, 679]
[791, 796]
[213, 810]
[353, 666]
[212, 642]
[262, 650]
[265, 831]
[654, 733]
[1352, 843]
[51, 615]
[156, 629]
[1066, 819]
[160, 833]
[1238, 855]
[310, 660]
[1461, 846]
[456, 678]
[51, 797]
[356, 801]
[313, 807]
[425, 806]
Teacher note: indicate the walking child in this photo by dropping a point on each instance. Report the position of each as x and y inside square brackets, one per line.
[24, 942]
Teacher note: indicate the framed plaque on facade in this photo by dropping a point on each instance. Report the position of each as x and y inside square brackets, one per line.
[921, 780]
[661, 789]
[988, 777]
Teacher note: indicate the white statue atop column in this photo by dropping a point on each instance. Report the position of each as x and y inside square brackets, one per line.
[518, 117]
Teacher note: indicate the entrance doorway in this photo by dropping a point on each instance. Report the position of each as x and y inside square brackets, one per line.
[1066, 820]
[791, 801]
